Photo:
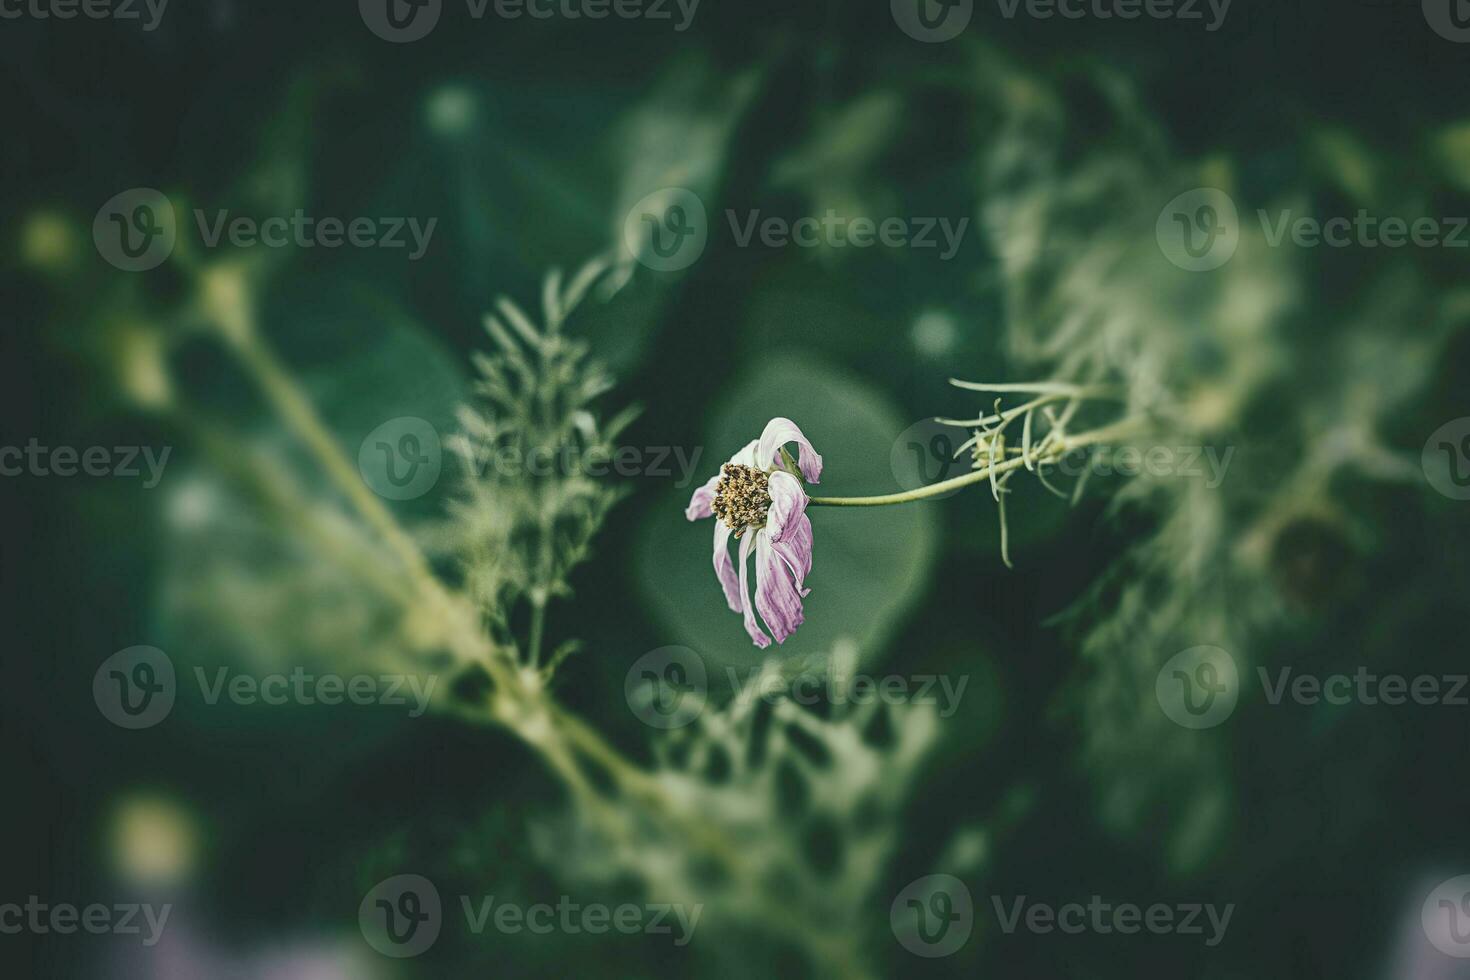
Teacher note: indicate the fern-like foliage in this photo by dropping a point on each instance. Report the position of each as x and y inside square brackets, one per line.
[535, 453]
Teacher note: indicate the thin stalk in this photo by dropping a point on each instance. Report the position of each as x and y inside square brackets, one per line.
[1061, 448]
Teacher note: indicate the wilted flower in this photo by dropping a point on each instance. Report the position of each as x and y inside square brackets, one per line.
[760, 491]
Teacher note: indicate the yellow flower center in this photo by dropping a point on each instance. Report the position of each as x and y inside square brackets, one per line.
[742, 497]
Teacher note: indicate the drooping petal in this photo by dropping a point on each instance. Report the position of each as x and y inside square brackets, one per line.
[757, 637]
[779, 432]
[701, 504]
[795, 549]
[724, 570]
[788, 502]
[746, 456]
[776, 596]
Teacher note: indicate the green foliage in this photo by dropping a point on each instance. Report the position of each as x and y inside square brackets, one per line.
[531, 502]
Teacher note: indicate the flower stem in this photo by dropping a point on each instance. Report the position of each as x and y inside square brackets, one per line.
[1064, 446]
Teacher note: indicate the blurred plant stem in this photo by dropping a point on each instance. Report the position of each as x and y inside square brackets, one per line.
[519, 700]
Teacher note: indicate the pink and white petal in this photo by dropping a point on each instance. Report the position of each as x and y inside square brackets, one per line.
[788, 502]
[701, 505]
[779, 432]
[757, 637]
[724, 570]
[776, 596]
[746, 456]
[795, 548]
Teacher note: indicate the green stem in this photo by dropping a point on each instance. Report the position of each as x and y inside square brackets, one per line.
[1064, 446]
